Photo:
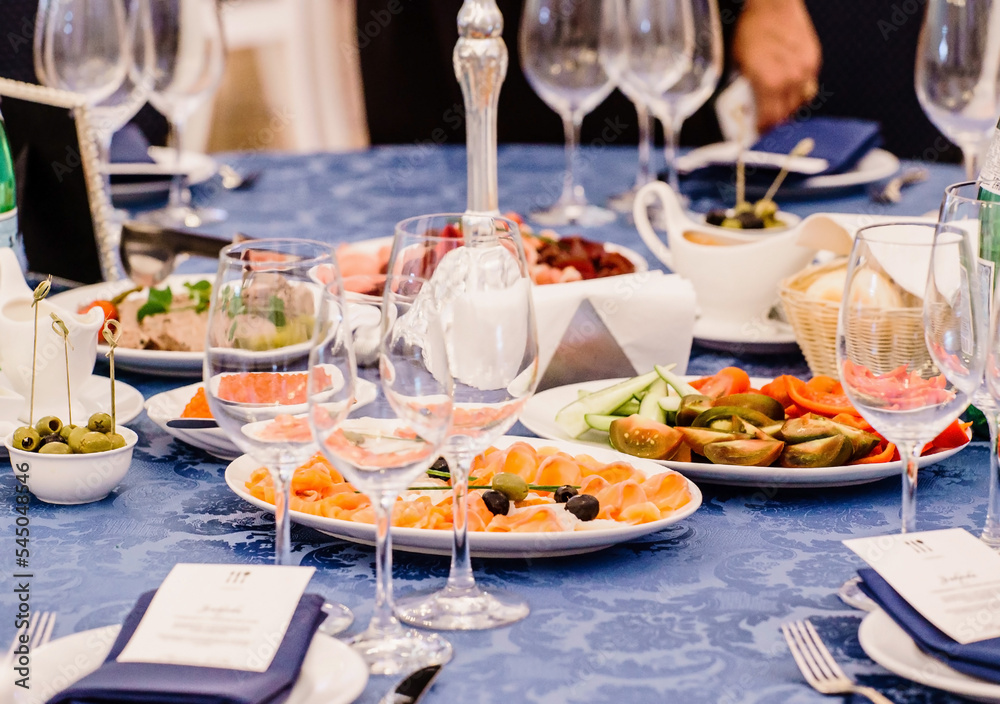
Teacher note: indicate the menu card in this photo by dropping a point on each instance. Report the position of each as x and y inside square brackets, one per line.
[226, 616]
[949, 576]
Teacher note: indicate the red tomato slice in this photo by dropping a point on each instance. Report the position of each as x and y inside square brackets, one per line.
[731, 380]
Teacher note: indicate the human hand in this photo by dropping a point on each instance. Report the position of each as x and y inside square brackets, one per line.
[777, 49]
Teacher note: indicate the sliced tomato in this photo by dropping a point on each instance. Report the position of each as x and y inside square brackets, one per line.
[880, 453]
[778, 390]
[793, 411]
[731, 380]
[815, 400]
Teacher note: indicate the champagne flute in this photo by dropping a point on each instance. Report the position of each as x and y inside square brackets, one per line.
[957, 76]
[964, 209]
[480, 277]
[910, 336]
[559, 42]
[190, 57]
[267, 308]
[383, 447]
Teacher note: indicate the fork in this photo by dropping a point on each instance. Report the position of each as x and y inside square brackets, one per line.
[39, 631]
[892, 192]
[818, 666]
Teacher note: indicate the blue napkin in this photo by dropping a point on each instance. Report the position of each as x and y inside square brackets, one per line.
[980, 659]
[185, 684]
[129, 146]
[842, 141]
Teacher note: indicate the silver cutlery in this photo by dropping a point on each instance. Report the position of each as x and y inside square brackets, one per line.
[192, 423]
[38, 631]
[233, 180]
[412, 687]
[892, 192]
[817, 665]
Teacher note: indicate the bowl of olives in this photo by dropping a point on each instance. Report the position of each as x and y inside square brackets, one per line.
[65, 464]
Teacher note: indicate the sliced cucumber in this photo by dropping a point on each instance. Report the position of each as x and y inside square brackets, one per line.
[650, 406]
[628, 408]
[599, 421]
[603, 402]
[670, 403]
[682, 387]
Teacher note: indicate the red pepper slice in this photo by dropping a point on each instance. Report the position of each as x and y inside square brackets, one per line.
[815, 400]
[731, 380]
[878, 454]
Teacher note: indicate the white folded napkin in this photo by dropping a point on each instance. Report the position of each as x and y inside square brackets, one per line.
[648, 315]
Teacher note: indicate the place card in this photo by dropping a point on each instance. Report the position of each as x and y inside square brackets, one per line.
[226, 616]
[949, 576]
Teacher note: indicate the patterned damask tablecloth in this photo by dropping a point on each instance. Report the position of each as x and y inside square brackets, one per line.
[690, 614]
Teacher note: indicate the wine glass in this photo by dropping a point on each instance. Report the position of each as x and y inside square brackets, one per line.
[267, 308]
[963, 208]
[189, 60]
[381, 448]
[559, 42]
[114, 111]
[477, 267]
[957, 74]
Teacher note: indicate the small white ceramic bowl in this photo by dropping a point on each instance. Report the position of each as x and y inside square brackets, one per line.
[73, 479]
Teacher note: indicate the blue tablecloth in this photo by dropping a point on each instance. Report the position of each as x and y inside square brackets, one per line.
[690, 614]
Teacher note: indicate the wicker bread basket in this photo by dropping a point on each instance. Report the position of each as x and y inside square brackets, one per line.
[884, 337]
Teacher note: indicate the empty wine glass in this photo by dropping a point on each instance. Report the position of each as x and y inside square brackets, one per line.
[476, 266]
[189, 60]
[980, 219]
[559, 42]
[267, 308]
[957, 74]
[385, 445]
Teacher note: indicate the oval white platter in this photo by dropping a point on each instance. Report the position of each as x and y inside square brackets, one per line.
[507, 545]
[539, 417]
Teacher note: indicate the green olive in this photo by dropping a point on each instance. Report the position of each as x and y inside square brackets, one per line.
[55, 448]
[27, 438]
[65, 431]
[511, 486]
[117, 440]
[94, 442]
[100, 423]
[732, 223]
[74, 438]
[48, 425]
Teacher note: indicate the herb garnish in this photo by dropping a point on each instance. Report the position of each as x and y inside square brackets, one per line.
[160, 300]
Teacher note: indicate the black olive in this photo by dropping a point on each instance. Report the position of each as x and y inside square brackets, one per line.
[749, 221]
[52, 437]
[715, 217]
[564, 494]
[441, 465]
[584, 506]
[497, 503]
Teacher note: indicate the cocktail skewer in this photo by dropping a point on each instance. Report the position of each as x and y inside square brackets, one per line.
[41, 291]
[112, 332]
[59, 328]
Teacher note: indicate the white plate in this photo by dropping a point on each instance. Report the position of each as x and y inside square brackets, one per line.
[539, 417]
[891, 647]
[196, 166]
[513, 545]
[170, 404]
[153, 362]
[332, 672]
[95, 395]
[755, 336]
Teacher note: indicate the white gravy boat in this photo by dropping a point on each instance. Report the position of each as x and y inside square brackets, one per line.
[735, 274]
[17, 333]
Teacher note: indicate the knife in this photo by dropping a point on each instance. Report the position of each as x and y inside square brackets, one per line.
[192, 423]
[412, 687]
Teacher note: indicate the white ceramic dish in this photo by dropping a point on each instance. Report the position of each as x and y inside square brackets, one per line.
[509, 545]
[170, 404]
[891, 647]
[96, 396]
[74, 479]
[153, 362]
[539, 417]
[197, 167]
[756, 336]
[332, 672]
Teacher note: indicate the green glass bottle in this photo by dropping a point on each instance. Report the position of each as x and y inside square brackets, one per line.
[8, 197]
[989, 177]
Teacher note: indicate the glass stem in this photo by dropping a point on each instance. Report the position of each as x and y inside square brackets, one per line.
[460, 575]
[671, 132]
[970, 159]
[571, 195]
[645, 119]
[991, 532]
[177, 179]
[909, 452]
[382, 618]
[282, 525]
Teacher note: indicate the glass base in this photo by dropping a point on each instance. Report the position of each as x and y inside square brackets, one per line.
[452, 609]
[183, 216]
[852, 595]
[585, 215]
[622, 202]
[991, 538]
[338, 619]
[398, 649]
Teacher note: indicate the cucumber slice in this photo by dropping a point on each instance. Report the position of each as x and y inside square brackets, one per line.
[682, 387]
[670, 403]
[628, 408]
[650, 406]
[599, 421]
[571, 417]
